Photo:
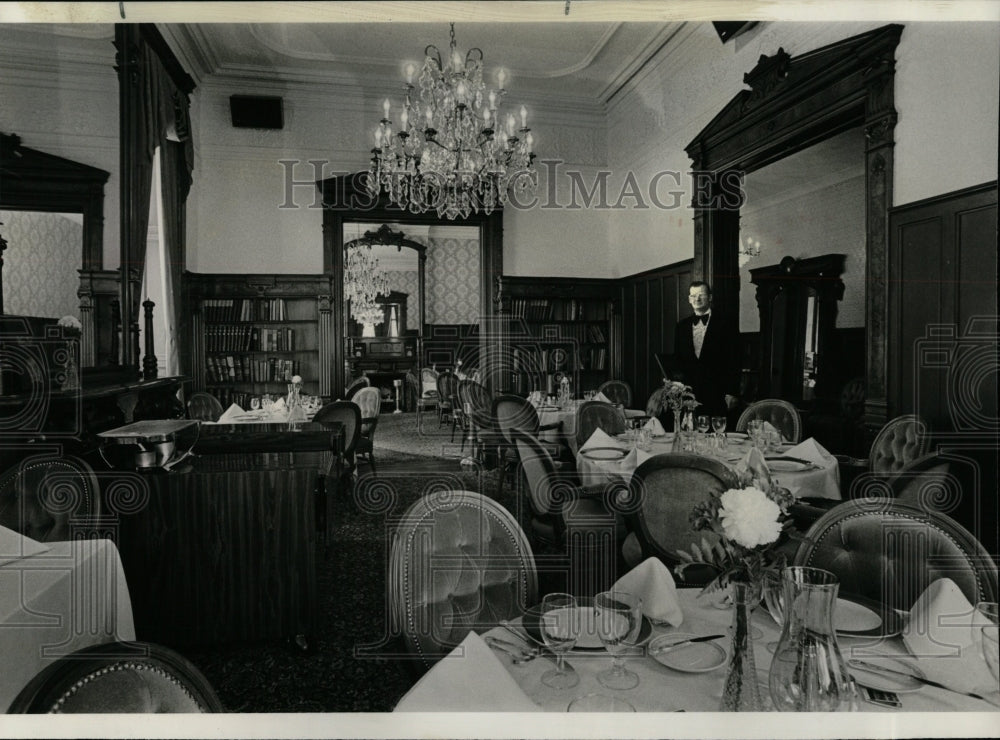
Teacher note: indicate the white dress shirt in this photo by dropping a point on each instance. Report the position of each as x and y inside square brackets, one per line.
[698, 333]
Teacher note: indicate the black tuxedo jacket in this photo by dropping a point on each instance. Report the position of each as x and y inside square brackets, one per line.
[717, 372]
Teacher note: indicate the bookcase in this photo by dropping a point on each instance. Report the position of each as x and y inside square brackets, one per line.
[556, 326]
[251, 333]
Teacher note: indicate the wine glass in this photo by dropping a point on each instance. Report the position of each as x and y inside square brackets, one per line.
[985, 619]
[774, 600]
[560, 627]
[255, 403]
[619, 618]
[718, 424]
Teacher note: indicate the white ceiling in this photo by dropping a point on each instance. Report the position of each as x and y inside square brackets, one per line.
[587, 61]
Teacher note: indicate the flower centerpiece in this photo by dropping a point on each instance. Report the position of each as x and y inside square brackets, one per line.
[748, 524]
[71, 330]
[675, 397]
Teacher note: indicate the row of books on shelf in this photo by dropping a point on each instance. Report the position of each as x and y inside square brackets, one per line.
[246, 369]
[245, 338]
[244, 309]
[545, 309]
[551, 360]
[581, 333]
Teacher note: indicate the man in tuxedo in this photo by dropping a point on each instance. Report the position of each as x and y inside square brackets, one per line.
[706, 349]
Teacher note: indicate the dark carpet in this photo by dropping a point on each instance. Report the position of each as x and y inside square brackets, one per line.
[346, 670]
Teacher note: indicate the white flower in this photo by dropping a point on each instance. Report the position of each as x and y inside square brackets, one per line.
[70, 322]
[296, 378]
[749, 518]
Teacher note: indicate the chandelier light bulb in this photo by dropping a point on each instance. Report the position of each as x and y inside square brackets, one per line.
[501, 76]
[378, 137]
[404, 118]
[386, 106]
[411, 69]
[524, 117]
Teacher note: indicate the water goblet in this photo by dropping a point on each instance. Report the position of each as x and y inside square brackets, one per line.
[754, 427]
[560, 628]
[619, 619]
[718, 424]
[255, 403]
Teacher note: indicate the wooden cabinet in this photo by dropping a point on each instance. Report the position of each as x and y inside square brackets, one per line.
[252, 333]
[797, 300]
[556, 326]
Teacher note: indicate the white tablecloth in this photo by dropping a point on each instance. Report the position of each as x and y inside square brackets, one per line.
[51, 604]
[822, 482]
[663, 689]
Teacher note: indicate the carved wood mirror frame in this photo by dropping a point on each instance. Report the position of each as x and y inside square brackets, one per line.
[792, 104]
[345, 198]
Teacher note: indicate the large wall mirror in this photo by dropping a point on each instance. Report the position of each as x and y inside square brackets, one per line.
[52, 211]
[448, 302]
[792, 104]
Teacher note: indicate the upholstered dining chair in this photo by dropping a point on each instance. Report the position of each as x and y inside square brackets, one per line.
[204, 407]
[478, 402]
[425, 389]
[447, 388]
[617, 391]
[583, 523]
[593, 414]
[890, 551]
[662, 492]
[356, 385]
[347, 413]
[513, 412]
[901, 441]
[49, 498]
[118, 678]
[459, 562]
[369, 401]
[782, 415]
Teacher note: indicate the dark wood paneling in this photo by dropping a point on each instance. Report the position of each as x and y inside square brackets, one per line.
[654, 302]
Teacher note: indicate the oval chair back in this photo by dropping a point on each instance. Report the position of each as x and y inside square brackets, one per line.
[494, 578]
[118, 677]
[347, 413]
[593, 414]
[356, 385]
[617, 391]
[782, 415]
[663, 491]
[49, 498]
[890, 551]
[204, 407]
[900, 442]
[513, 412]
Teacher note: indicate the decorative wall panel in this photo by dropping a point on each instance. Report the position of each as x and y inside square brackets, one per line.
[40, 275]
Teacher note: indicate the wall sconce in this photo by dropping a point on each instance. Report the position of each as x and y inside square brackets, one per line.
[747, 250]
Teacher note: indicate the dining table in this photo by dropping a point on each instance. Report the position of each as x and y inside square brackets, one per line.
[690, 678]
[817, 475]
[563, 415]
[57, 598]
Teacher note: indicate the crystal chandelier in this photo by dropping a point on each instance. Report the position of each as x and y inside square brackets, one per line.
[364, 281]
[455, 151]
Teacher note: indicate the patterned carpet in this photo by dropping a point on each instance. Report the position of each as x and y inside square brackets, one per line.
[340, 674]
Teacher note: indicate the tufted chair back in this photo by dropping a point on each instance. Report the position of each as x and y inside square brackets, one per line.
[459, 562]
[617, 391]
[541, 475]
[593, 414]
[45, 498]
[347, 413]
[663, 491]
[782, 415]
[447, 387]
[899, 442]
[118, 677]
[890, 551]
[369, 400]
[356, 385]
[204, 407]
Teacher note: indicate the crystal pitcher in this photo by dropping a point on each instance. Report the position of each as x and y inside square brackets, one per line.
[808, 672]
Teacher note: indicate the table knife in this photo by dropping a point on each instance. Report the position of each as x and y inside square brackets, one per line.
[912, 676]
[671, 646]
[543, 650]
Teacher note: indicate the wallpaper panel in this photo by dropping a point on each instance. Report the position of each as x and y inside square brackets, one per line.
[44, 252]
[452, 273]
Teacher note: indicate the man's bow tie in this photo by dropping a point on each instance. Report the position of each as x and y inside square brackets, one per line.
[703, 319]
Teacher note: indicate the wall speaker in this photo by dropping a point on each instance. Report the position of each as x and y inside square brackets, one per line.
[256, 111]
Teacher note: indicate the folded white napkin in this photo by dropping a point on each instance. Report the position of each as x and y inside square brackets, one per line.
[231, 413]
[601, 397]
[600, 438]
[469, 679]
[769, 427]
[940, 635]
[752, 470]
[651, 581]
[654, 426]
[278, 406]
[812, 451]
[15, 546]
